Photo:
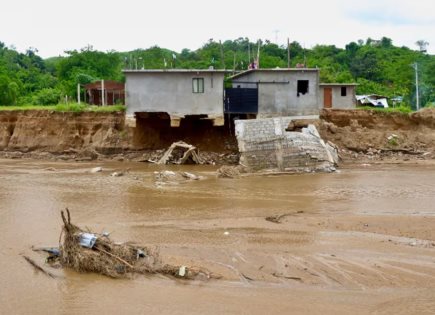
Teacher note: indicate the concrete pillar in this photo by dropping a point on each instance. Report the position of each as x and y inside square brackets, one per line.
[175, 121]
[130, 121]
[218, 121]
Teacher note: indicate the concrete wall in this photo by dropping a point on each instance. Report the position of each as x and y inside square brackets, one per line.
[264, 144]
[171, 92]
[338, 101]
[278, 99]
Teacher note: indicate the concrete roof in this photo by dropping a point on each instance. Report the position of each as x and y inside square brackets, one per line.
[243, 73]
[177, 71]
[338, 84]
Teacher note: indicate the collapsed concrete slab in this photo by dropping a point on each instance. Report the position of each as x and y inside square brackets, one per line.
[265, 145]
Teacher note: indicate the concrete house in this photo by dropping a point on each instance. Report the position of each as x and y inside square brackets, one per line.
[176, 92]
[338, 95]
[274, 92]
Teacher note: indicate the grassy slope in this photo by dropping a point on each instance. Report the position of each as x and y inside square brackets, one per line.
[74, 107]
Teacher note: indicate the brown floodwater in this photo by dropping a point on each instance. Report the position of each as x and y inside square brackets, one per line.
[359, 241]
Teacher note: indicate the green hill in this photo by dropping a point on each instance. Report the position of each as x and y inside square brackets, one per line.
[378, 66]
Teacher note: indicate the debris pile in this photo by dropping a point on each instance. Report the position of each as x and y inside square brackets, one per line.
[91, 252]
[169, 177]
[181, 153]
[231, 171]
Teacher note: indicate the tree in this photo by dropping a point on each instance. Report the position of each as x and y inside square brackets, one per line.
[386, 42]
[8, 91]
[422, 45]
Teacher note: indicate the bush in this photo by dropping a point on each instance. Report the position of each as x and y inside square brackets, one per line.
[8, 91]
[73, 107]
[404, 109]
[46, 97]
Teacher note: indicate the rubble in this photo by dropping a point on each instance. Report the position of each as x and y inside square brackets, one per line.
[231, 171]
[266, 145]
[170, 177]
[181, 153]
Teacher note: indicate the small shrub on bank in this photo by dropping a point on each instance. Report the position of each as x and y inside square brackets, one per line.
[47, 97]
[399, 109]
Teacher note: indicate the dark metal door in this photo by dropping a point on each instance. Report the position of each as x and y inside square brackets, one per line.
[241, 101]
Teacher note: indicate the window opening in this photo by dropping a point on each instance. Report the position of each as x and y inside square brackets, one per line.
[343, 91]
[302, 87]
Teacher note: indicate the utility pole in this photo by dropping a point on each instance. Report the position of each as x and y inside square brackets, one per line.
[417, 96]
[102, 93]
[78, 93]
[249, 53]
[222, 54]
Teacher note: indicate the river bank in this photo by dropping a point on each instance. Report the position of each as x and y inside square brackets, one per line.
[361, 136]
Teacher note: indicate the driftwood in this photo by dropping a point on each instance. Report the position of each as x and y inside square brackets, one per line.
[279, 217]
[278, 275]
[404, 151]
[114, 256]
[39, 268]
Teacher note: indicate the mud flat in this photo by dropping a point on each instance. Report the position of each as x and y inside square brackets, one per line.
[359, 241]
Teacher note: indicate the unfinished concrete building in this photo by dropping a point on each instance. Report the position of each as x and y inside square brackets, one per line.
[338, 95]
[177, 93]
[274, 92]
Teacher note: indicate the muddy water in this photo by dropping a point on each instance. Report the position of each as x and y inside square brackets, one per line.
[360, 241]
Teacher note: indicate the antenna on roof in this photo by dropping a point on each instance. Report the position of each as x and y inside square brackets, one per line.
[305, 58]
[288, 53]
[276, 36]
[249, 52]
[234, 62]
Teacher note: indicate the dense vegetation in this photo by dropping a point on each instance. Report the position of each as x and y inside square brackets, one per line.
[377, 66]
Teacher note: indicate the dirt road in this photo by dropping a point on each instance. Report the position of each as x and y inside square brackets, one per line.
[360, 241]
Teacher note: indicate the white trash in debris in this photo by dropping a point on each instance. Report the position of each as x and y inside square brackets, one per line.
[190, 176]
[97, 169]
[182, 271]
[87, 240]
[117, 174]
[140, 253]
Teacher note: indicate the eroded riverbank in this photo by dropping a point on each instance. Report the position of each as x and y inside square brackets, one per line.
[359, 241]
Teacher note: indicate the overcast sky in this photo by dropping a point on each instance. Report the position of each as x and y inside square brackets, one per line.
[53, 26]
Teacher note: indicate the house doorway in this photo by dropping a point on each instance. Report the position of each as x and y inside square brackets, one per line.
[327, 98]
